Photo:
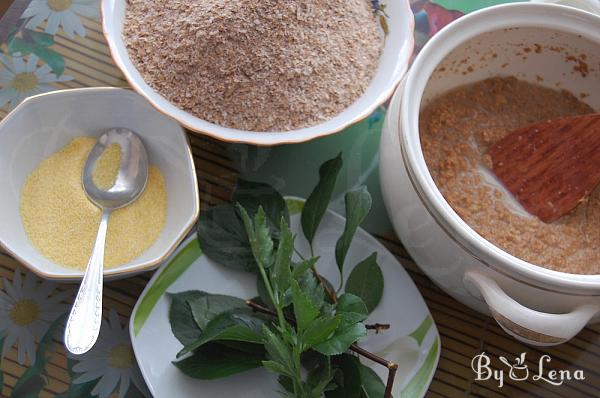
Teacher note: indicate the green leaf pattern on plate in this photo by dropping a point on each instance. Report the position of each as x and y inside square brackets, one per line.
[420, 380]
[420, 333]
[177, 266]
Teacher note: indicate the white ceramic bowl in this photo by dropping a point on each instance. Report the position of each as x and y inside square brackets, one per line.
[42, 124]
[392, 66]
[533, 304]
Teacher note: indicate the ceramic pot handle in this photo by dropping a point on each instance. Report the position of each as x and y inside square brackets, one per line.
[527, 325]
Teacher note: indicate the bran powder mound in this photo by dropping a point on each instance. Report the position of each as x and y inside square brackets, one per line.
[269, 65]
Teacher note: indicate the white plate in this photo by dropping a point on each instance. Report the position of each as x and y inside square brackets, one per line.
[413, 337]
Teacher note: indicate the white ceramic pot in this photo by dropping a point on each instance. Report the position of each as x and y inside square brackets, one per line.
[535, 305]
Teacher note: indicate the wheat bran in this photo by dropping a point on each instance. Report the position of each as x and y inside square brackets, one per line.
[456, 130]
[269, 65]
[62, 223]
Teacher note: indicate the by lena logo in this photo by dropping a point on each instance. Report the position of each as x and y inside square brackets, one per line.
[519, 370]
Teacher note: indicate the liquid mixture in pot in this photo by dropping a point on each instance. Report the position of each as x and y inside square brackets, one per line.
[458, 127]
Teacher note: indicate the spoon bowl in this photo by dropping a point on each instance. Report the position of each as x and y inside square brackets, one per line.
[83, 325]
[132, 175]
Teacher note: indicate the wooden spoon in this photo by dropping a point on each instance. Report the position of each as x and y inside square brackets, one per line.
[550, 167]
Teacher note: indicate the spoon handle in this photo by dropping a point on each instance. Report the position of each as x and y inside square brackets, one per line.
[85, 319]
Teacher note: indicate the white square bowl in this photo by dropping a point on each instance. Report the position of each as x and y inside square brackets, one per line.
[43, 124]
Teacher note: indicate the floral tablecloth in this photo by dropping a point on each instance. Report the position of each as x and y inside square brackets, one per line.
[58, 44]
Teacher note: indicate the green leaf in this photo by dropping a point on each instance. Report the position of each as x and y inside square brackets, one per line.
[320, 330]
[250, 348]
[312, 360]
[286, 299]
[20, 46]
[282, 273]
[352, 310]
[238, 325]
[328, 309]
[224, 240]
[208, 306]
[181, 318]
[258, 236]
[358, 204]
[41, 39]
[347, 377]
[54, 60]
[31, 383]
[366, 282]
[262, 247]
[318, 200]
[276, 348]
[287, 384]
[342, 340]
[312, 289]
[320, 382]
[320, 375]
[252, 195]
[351, 303]
[302, 267]
[371, 384]
[214, 361]
[304, 310]
[276, 367]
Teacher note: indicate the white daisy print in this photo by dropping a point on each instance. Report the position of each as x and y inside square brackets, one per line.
[63, 13]
[20, 79]
[111, 360]
[27, 308]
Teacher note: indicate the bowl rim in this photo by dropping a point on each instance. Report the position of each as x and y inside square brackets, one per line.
[254, 137]
[447, 40]
[116, 272]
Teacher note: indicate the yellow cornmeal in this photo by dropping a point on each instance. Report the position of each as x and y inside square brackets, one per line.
[62, 223]
[107, 167]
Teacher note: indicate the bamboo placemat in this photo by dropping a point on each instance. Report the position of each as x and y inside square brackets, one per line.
[464, 333]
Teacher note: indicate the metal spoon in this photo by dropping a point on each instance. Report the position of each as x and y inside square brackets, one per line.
[85, 319]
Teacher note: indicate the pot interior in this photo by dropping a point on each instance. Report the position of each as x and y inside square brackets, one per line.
[544, 56]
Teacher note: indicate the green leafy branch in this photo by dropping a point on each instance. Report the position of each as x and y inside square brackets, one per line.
[298, 321]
